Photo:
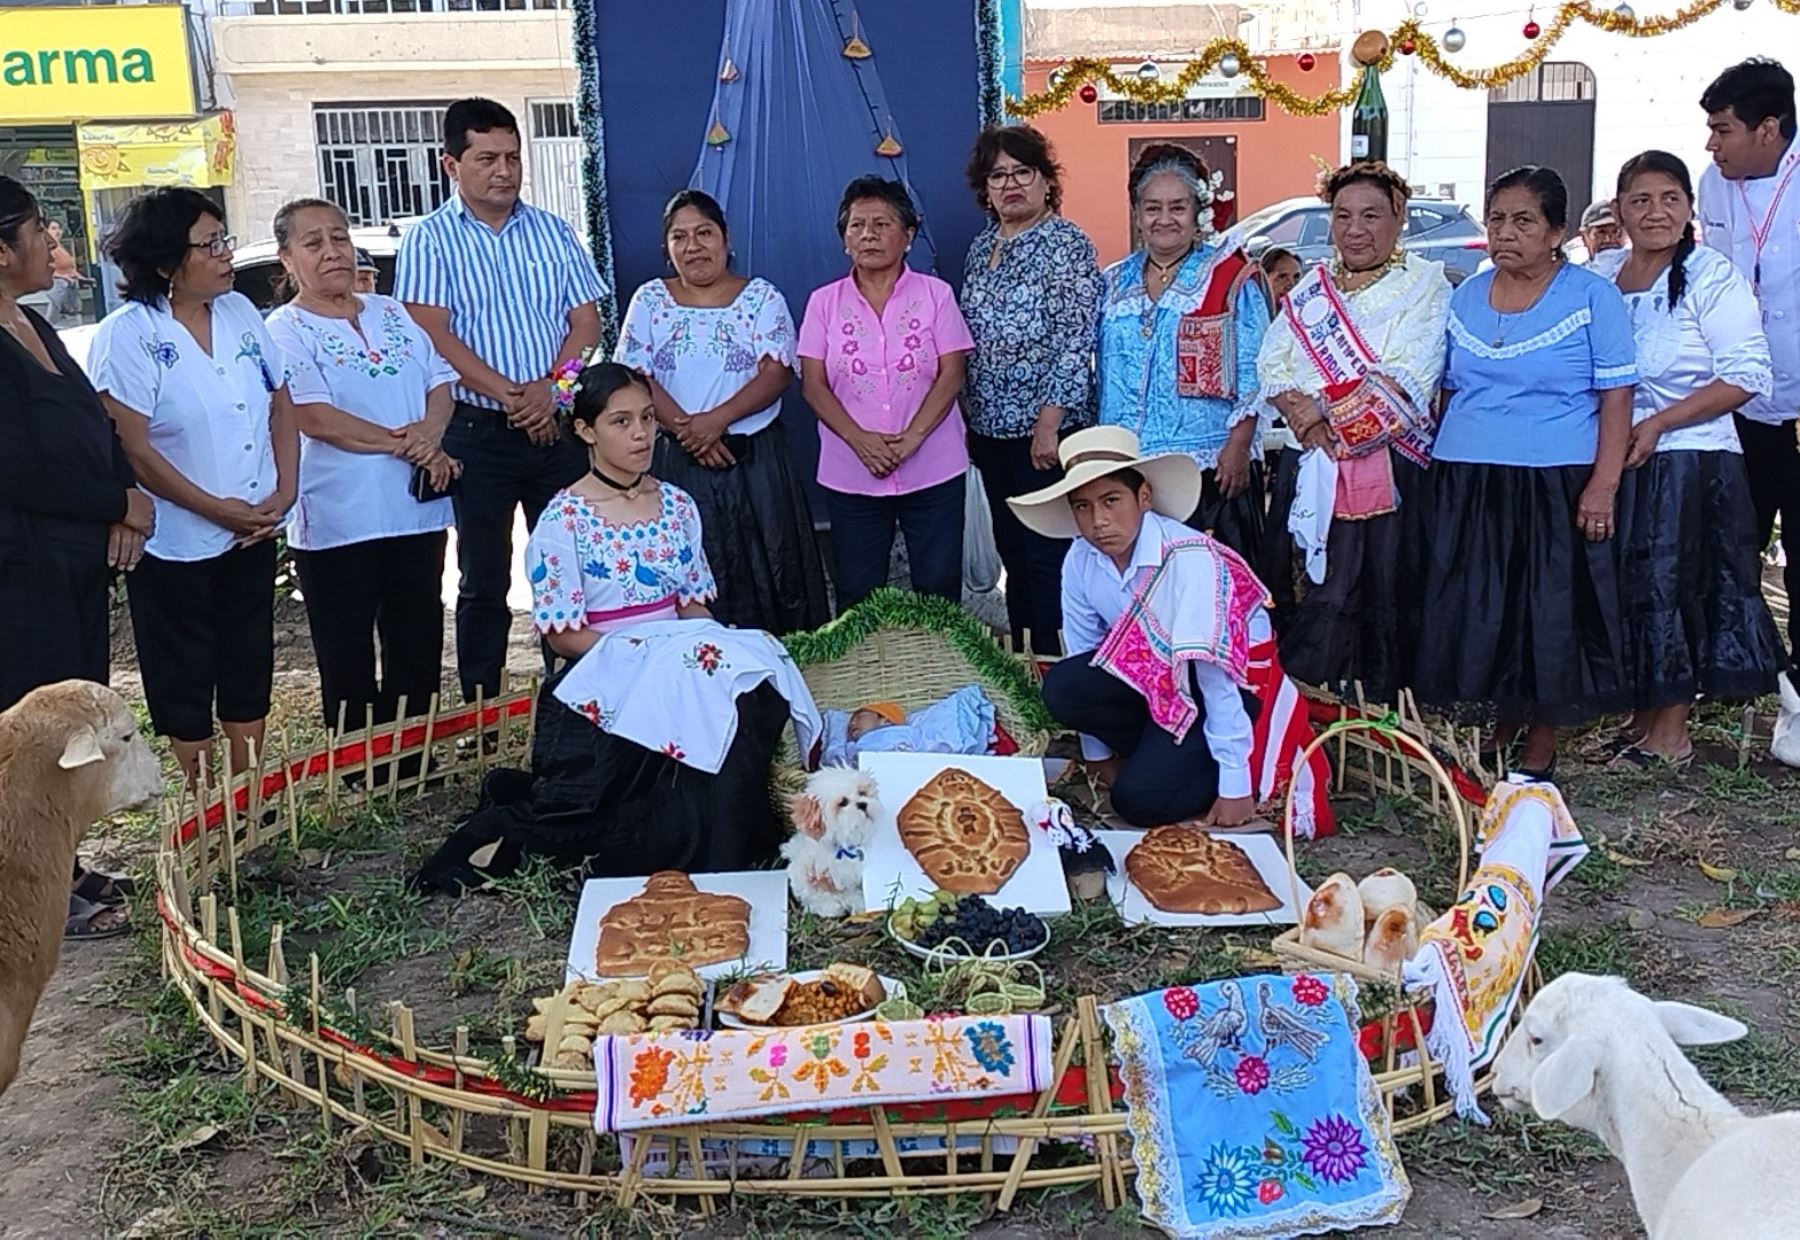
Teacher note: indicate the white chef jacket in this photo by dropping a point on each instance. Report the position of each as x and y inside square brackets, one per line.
[209, 415]
[381, 375]
[1095, 594]
[1728, 212]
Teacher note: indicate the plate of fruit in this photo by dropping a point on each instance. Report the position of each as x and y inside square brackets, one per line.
[945, 926]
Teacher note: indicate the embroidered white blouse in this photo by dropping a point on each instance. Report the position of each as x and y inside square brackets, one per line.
[380, 370]
[1715, 332]
[1095, 594]
[587, 573]
[209, 414]
[1401, 316]
[705, 355]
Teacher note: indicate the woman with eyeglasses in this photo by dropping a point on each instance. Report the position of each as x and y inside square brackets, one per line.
[199, 395]
[1031, 295]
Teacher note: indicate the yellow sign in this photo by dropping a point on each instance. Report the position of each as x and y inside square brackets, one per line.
[106, 61]
[124, 156]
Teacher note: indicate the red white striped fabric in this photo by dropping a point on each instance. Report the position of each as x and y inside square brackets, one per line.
[1282, 730]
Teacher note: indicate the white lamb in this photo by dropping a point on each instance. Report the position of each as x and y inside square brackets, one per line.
[1597, 1055]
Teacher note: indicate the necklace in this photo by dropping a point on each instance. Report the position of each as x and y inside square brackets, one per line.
[1340, 273]
[628, 489]
[1507, 318]
[1147, 321]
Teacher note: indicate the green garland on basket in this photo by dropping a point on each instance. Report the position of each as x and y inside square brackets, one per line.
[888, 608]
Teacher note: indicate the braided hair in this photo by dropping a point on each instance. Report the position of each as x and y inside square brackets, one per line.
[1367, 172]
[1676, 170]
[1161, 157]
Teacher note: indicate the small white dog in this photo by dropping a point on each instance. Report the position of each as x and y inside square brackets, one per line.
[833, 820]
[1786, 745]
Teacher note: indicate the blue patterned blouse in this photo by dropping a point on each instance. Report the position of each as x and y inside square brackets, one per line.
[1137, 359]
[1033, 321]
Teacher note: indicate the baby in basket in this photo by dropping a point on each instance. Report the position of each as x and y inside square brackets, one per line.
[963, 722]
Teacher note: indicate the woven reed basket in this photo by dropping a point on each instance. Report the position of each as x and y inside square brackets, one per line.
[1414, 1094]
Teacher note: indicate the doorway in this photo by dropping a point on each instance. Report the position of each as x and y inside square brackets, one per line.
[1219, 154]
[1546, 117]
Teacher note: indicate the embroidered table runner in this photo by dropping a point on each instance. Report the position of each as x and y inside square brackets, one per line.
[648, 1080]
[1474, 959]
[1252, 1111]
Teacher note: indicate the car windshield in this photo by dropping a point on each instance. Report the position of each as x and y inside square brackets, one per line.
[1259, 221]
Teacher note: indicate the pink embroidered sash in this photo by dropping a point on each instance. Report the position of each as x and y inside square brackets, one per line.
[1173, 621]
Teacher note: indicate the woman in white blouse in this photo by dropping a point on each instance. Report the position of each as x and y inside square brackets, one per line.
[1695, 619]
[192, 380]
[367, 531]
[719, 351]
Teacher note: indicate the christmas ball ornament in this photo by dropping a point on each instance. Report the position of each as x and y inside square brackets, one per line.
[1533, 30]
[1307, 61]
[1088, 93]
[1148, 72]
[1369, 49]
[1741, 5]
[1625, 13]
[1057, 76]
[1408, 47]
[1455, 40]
[1229, 65]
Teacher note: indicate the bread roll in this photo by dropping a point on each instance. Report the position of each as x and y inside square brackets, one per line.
[1393, 940]
[1334, 919]
[1387, 888]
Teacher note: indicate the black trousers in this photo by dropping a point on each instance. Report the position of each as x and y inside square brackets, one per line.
[502, 471]
[862, 540]
[1772, 459]
[386, 587]
[1033, 562]
[1161, 780]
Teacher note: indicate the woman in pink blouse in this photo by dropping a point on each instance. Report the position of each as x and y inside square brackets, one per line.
[882, 355]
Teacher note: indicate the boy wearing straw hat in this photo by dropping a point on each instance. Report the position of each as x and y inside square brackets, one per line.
[1170, 678]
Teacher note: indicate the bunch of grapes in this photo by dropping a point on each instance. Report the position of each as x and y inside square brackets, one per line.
[979, 924]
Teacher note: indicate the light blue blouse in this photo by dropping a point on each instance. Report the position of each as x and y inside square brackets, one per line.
[1137, 367]
[1525, 388]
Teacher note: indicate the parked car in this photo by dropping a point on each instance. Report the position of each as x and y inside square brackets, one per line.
[1437, 229]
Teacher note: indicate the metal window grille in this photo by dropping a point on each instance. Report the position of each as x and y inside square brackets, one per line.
[553, 168]
[381, 164]
[1233, 108]
[1556, 82]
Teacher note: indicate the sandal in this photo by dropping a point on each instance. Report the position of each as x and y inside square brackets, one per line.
[86, 920]
[1649, 760]
[108, 889]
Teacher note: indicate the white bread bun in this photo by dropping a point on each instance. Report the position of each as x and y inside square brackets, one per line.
[1393, 940]
[1333, 921]
[1385, 889]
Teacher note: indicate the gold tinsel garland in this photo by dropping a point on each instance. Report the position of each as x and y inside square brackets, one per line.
[1072, 75]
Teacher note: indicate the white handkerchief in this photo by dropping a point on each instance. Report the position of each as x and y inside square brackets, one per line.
[1309, 520]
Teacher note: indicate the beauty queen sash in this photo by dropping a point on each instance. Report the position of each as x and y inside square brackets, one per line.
[1367, 411]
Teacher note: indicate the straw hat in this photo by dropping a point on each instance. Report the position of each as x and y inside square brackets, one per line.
[1174, 480]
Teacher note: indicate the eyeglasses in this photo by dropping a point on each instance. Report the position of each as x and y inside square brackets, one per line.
[218, 247]
[1021, 175]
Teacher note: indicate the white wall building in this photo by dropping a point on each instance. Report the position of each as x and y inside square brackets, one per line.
[344, 99]
[1639, 94]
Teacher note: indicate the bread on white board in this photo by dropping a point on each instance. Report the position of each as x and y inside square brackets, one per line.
[1333, 921]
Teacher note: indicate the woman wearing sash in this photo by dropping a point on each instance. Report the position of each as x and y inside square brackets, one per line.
[1180, 327]
[1691, 579]
[1352, 363]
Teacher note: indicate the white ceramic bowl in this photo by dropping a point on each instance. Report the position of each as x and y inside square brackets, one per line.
[895, 990]
[937, 956]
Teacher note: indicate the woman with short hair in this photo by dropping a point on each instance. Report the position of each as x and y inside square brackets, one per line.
[1352, 364]
[70, 515]
[1521, 618]
[719, 351]
[1180, 327]
[368, 529]
[1031, 295]
[882, 359]
[197, 389]
[1691, 580]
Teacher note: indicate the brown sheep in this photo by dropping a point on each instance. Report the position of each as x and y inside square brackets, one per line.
[70, 755]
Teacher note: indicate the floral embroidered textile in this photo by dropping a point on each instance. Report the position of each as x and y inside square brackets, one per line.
[1252, 1112]
[648, 1080]
[1474, 959]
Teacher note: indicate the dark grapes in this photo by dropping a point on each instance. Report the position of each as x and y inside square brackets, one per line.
[978, 923]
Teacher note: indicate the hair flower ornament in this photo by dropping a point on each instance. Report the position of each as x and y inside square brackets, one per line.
[565, 381]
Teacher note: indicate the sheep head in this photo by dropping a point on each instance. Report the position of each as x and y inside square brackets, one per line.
[89, 756]
[1578, 1025]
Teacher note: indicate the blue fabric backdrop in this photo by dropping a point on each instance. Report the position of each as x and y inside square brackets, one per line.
[804, 120]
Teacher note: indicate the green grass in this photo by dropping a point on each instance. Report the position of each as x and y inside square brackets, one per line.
[1512, 1155]
[1590, 949]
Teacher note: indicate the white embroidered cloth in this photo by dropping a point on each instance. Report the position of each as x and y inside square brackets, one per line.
[1309, 520]
[672, 686]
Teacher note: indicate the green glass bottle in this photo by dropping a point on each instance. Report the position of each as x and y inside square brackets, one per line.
[1369, 122]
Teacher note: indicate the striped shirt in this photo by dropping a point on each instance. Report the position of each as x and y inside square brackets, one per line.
[509, 293]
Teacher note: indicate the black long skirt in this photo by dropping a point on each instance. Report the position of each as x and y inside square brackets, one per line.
[1691, 582]
[616, 808]
[1361, 624]
[1520, 616]
[1239, 522]
[55, 603]
[757, 531]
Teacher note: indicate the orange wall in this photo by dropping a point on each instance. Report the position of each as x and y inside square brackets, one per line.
[1273, 154]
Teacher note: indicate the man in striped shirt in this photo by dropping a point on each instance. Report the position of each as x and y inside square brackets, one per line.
[507, 293]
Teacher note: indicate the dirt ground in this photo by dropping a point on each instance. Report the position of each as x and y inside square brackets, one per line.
[121, 1123]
